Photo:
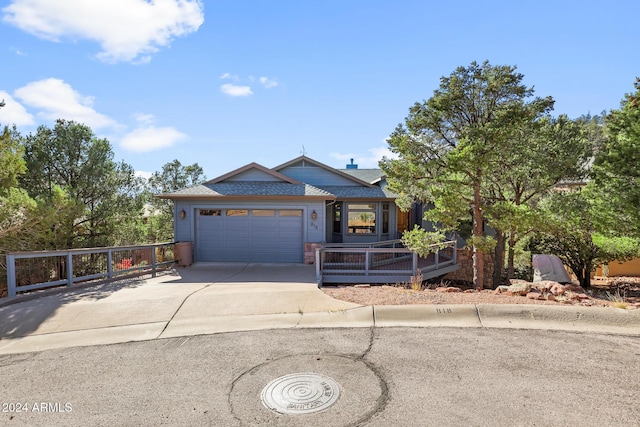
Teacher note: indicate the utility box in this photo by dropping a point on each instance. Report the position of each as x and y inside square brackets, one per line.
[183, 253]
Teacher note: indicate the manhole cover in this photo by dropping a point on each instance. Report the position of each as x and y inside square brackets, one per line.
[302, 393]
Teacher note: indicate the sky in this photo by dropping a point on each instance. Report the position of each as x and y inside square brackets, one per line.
[227, 83]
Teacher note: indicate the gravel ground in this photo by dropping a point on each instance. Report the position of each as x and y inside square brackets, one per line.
[601, 294]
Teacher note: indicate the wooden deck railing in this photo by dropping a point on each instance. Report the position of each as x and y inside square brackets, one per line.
[27, 271]
[381, 262]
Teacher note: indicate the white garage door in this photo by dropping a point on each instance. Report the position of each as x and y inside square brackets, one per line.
[249, 235]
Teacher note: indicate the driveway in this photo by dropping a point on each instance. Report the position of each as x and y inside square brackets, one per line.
[231, 297]
[189, 301]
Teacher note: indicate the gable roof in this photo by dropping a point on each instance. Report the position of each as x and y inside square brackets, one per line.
[257, 167]
[303, 159]
[259, 182]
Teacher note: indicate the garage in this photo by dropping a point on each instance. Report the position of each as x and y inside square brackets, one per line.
[249, 235]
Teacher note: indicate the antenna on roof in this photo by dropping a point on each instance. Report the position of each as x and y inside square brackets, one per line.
[304, 152]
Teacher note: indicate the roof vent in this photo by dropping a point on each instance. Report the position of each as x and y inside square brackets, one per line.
[352, 166]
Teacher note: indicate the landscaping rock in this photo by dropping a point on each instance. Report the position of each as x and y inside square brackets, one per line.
[500, 289]
[519, 288]
[574, 288]
[535, 295]
[557, 289]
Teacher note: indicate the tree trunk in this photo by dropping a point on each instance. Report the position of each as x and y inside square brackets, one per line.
[478, 255]
[511, 255]
[498, 265]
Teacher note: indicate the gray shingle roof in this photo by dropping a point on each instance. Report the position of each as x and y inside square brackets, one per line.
[246, 188]
[355, 192]
[366, 175]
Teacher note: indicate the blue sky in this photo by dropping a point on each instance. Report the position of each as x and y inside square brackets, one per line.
[226, 83]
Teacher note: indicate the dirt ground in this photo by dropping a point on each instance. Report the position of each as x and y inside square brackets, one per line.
[621, 292]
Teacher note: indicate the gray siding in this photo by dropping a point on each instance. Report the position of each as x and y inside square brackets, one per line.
[316, 176]
[311, 230]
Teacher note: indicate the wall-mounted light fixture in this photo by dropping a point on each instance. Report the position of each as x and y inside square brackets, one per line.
[183, 214]
[314, 215]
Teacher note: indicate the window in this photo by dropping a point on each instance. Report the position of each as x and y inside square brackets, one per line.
[210, 212]
[361, 218]
[337, 225]
[263, 212]
[237, 212]
[290, 212]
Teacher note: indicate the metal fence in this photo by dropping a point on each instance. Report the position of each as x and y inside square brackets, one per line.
[27, 271]
[381, 262]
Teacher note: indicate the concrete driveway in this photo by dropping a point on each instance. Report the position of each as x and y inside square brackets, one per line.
[230, 297]
[204, 298]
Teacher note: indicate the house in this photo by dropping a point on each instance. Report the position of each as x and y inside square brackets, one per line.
[258, 214]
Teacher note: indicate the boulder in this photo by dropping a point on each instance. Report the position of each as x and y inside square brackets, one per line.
[519, 288]
[549, 267]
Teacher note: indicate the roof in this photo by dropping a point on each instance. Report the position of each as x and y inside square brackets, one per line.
[247, 188]
[355, 192]
[372, 176]
[265, 183]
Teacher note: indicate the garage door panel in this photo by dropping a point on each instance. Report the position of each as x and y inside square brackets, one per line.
[265, 237]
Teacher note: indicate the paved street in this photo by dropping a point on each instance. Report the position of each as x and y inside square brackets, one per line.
[387, 376]
[206, 346]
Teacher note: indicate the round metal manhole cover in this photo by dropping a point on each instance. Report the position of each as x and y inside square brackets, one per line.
[302, 393]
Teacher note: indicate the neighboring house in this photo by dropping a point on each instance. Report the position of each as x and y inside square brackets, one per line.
[257, 214]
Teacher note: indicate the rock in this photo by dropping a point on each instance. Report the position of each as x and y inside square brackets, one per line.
[551, 297]
[448, 289]
[500, 289]
[534, 295]
[362, 286]
[557, 289]
[544, 285]
[520, 288]
[574, 288]
[549, 267]
[517, 281]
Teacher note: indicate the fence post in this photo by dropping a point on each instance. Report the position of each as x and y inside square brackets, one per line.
[366, 262]
[69, 269]
[11, 275]
[414, 263]
[437, 258]
[109, 263]
[318, 268]
[153, 261]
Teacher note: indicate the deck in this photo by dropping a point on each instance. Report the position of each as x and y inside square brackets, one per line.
[381, 262]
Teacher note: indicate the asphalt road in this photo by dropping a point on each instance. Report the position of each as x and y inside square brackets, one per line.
[386, 377]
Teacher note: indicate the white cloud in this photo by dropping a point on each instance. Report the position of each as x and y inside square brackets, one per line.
[127, 30]
[143, 174]
[150, 138]
[58, 100]
[229, 76]
[366, 161]
[13, 112]
[144, 118]
[234, 90]
[268, 83]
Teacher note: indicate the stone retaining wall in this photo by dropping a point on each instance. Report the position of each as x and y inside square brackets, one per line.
[465, 268]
